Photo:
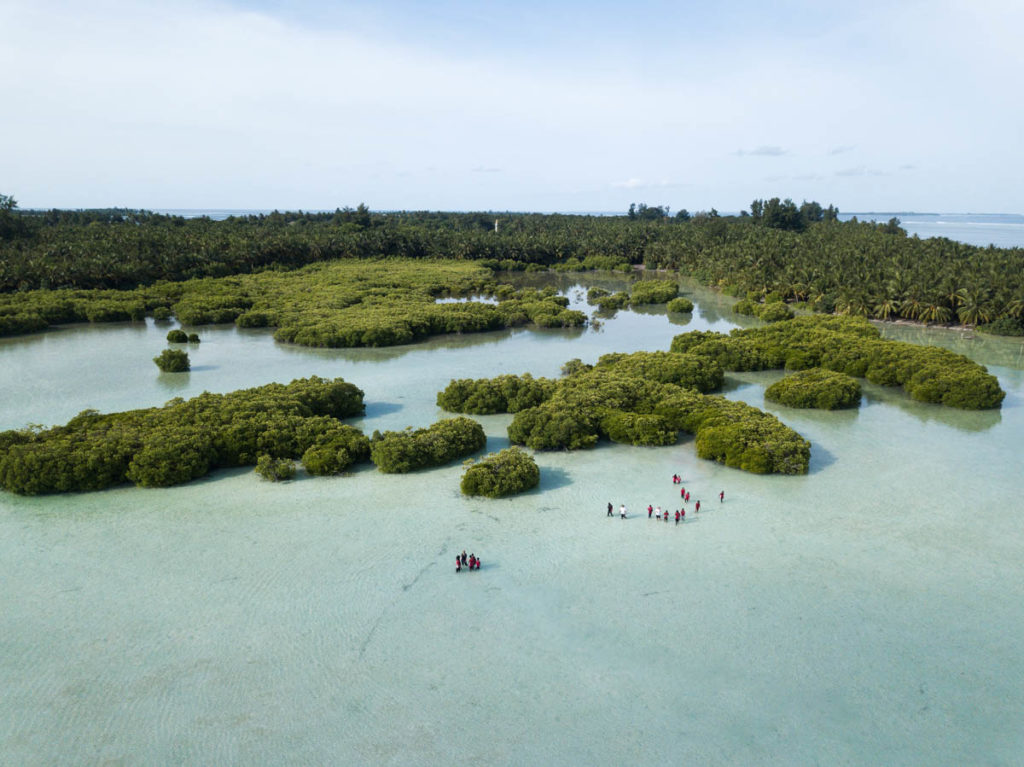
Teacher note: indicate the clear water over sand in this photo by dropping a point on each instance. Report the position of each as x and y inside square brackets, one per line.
[868, 613]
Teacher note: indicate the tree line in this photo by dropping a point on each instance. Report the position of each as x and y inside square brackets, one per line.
[802, 252]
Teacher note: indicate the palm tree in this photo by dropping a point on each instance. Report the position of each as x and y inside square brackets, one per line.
[1015, 306]
[911, 307]
[935, 312]
[888, 307]
[975, 309]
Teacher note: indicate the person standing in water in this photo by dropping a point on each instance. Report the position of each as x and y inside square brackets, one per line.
[650, 510]
[657, 512]
[721, 497]
[463, 557]
[677, 516]
[682, 515]
[458, 564]
[609, 508]
[698, 507]
[622, 511]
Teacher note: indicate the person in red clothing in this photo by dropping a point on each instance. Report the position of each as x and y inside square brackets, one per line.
[698, 508]
[478, 563]
[458, 564]
[682, 515]
[472, 561]
[687, 497]
[682, 493]
[721, 497]
[650, 510]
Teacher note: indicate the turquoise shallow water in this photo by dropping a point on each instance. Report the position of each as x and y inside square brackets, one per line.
[868, 613]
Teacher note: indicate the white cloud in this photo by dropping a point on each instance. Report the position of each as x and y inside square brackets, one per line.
[184, 104]
[762, 151]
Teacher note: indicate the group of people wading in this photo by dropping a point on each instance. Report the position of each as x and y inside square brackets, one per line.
[656, 512]
[461, 561]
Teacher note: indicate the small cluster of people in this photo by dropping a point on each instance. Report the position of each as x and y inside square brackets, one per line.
[657, 513]
[680, 513]
[461, 560]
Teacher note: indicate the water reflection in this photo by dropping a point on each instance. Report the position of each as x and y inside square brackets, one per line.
[174, 382]
[1004, 351]
[962, 420]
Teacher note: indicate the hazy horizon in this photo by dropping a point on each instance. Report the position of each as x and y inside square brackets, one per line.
[568, 106]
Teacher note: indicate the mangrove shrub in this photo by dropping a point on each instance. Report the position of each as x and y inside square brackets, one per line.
[275, 469]
[654, 291]
[680, 305]
[500, 474]
[853, 346]
[399, 452]
[185, 439]
[815, 388]
[172, 361]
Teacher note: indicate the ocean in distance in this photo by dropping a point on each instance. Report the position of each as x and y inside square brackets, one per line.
[1004, 230]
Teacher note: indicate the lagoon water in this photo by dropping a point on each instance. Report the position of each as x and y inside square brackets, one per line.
[867, 613]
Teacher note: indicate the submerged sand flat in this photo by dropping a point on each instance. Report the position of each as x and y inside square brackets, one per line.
[868, 613]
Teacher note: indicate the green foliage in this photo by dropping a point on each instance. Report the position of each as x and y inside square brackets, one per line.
[775, 311]
[638, 429]
[680, 305]
[572, 367]
[613, 302]
[501, 474]
[772, 311]
[171, 456]
[504, 394]
[341, 304]
[161, 313]
[1004, 326]
[193, 338]
[549, 428]
[654, 291]
[645, 212]
[172, 361]
[801, 252]
[182, 440]
[666, 367]
[399, 452]
[746, 307]
[851, 345]
[635, 399]
[815, 388]
[275, 469]
[336, 450]
[177, 336]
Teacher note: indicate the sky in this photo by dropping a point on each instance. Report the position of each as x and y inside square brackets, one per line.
[527, 105]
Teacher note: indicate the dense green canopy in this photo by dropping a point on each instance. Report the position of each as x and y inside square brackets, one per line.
[816, 388]
[183, 440]
[802, 253]
[500, 474]
[341, 304]
[399, 452]
[853, 346]
[640, 399]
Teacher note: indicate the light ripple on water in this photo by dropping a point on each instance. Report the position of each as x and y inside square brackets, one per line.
[863, 614]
